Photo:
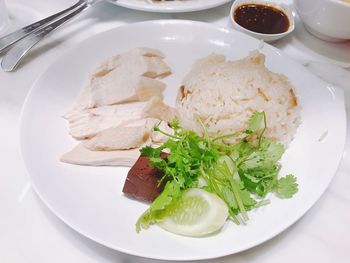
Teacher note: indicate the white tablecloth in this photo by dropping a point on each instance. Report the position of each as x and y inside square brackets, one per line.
[30, 233]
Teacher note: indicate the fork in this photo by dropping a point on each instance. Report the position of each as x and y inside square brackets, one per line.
[26, 38]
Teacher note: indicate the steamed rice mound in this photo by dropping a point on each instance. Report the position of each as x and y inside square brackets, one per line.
[224, 94]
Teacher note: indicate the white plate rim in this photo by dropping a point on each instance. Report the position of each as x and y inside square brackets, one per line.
[291, 220]
[170, 7]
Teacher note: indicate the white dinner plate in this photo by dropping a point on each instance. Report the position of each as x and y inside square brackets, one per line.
[176, 6]
[90, 199]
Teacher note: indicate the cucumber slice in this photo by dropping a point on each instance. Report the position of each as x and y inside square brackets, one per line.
[199, 213]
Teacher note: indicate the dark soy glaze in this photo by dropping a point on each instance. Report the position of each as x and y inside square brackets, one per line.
[261, 18]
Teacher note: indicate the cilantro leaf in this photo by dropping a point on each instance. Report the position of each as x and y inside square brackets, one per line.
[255, 122]
[175, 124]
[171, 190]
[158, 209]
[267, 154]
[286, 186]
[148, 151]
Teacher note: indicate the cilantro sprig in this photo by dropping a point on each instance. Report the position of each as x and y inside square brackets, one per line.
[189, 153]
[286, 186]
[241, 174]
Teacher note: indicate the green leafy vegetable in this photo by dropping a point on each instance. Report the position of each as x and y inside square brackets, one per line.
[255, 122]
[258, 167]
[160, 206]
[189, 152]
[241, 173]
[286, 186]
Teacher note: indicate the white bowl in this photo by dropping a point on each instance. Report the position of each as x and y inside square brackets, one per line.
[261, 36]
[326, 19]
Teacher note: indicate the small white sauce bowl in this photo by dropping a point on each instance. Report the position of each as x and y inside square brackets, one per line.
[261, 36]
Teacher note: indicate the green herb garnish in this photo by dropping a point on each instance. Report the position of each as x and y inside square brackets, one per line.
[241, 173]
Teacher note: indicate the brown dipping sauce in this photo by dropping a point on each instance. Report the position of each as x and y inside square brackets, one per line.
[261, 18]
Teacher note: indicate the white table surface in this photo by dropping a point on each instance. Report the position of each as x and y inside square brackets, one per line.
[29, 232]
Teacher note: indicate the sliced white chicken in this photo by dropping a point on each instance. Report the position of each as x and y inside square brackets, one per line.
[143, 64]
[83, 156]
[116, 89]
[159, 110]
[88, 123]
[119, 87]
[117, 60]
[129, 136]
[116, 111]
[123, 78]
[102, 149]
[148, 123]
[118, 138]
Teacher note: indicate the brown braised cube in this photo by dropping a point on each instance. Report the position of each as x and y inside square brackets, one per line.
[143, 179]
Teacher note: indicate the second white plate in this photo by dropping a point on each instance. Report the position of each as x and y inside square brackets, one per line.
[176, 6]
[90, 199]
